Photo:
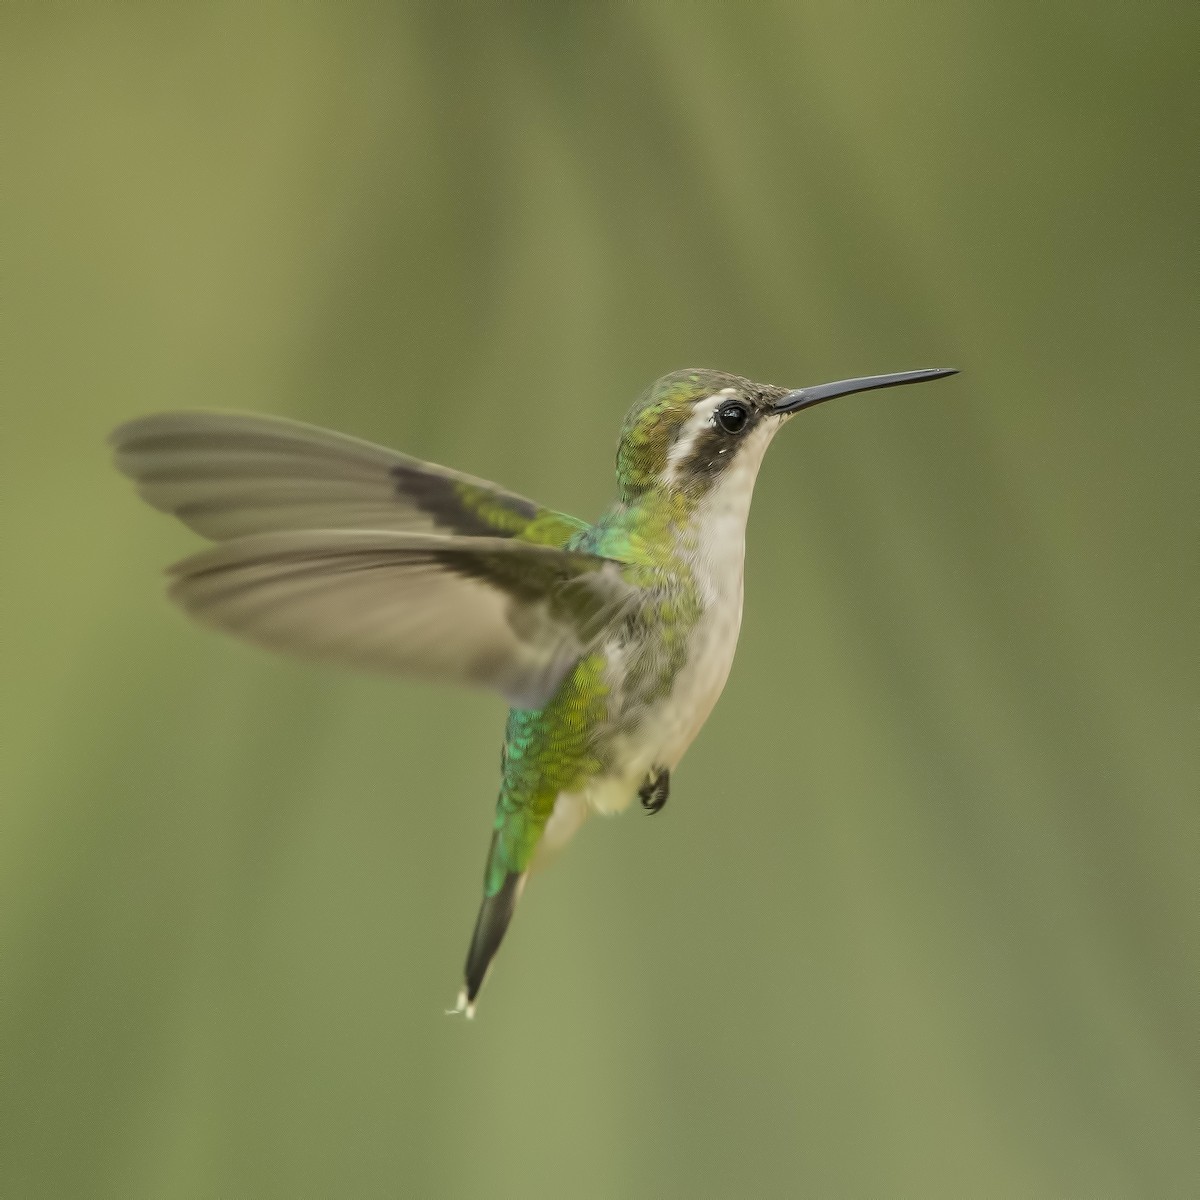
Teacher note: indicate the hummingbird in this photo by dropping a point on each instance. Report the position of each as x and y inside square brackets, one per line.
[611, 642]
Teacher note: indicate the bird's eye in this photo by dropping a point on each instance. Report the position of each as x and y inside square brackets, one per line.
[732, 417]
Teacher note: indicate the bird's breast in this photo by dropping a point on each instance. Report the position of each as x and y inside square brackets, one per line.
[655, 733]
[699, 683]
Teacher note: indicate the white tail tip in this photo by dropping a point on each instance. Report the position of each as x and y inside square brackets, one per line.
[462, 1005]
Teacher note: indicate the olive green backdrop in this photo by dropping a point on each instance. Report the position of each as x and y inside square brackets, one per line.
[921, 916]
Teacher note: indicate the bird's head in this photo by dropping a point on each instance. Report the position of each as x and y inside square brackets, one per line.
[696, 430]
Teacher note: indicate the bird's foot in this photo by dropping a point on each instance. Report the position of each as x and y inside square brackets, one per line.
[654, 792]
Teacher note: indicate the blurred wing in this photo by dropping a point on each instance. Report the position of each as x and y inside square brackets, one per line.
[492, 612]
[231, 474]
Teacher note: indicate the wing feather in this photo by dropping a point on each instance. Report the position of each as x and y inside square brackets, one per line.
[228, 475]
[491, 612]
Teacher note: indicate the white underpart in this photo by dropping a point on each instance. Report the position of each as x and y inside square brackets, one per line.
[568, 814]
[670, 726]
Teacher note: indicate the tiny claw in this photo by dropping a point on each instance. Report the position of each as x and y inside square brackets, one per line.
[654, 792]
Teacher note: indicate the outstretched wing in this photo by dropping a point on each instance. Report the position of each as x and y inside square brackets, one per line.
[231, 474]
[493, 612]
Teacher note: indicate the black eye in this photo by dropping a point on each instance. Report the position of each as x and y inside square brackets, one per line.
[732, 417]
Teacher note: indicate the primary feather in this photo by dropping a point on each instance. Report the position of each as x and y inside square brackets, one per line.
[227, 475]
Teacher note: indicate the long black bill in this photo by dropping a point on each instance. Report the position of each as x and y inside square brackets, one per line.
[807, 397]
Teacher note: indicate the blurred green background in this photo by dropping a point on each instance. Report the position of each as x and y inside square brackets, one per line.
[921, 917]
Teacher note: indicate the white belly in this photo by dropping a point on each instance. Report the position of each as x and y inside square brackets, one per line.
[669, 727]
[660, 739]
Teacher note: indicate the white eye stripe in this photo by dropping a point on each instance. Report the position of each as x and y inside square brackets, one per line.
[703, 418]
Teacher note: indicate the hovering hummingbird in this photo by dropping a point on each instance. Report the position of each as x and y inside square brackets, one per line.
[611, 642]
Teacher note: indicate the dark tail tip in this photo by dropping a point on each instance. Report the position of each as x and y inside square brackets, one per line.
[490, 926]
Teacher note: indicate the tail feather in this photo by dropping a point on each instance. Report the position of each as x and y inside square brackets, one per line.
[495, 913]
[525, 836]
